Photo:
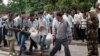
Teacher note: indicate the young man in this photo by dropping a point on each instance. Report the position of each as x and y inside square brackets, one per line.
[83, 27]
[43, 30]
[33, 24]
[55, 23]
[23, 25]
[10, 34]
[63, 33]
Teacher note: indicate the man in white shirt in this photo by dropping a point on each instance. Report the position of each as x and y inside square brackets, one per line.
[15, 26]
[43, 30]
[33, 24]
[23, 25]
[77, 20]
[68, 18]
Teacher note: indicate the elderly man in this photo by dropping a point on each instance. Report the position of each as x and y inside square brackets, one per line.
[63, 33]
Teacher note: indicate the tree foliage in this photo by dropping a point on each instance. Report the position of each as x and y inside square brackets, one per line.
[49, 5]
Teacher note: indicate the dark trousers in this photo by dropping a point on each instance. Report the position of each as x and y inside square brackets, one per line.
[58, 44]
[99, 35]
[32, 43]
[4, 33]
[51, 29]
[16, 35]
[54, 40]
[78, 33]
[0, 35]
[83, 36]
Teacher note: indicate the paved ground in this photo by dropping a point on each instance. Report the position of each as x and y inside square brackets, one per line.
[76, 50]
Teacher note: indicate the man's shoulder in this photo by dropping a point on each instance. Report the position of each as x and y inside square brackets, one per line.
[65, 22]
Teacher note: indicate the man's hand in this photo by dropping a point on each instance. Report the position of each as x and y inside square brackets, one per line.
[53, 35]
[70, 38]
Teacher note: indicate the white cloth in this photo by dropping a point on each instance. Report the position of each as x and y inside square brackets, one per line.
[43, 24]
[33, 30]
[49, 39]
[34, 35]
[98, 15]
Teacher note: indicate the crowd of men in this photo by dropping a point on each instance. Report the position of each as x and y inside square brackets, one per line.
[63, 27]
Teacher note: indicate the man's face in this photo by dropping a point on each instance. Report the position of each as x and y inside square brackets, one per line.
[32, 17]
[57, 17]
[40, 15]
[23, 15]
[97, 10]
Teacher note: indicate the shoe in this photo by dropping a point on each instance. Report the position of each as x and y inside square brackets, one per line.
[20, 53]
[14, 54]
[10, 55]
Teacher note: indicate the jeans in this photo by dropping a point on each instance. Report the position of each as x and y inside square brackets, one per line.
[58, 44]
[42, 41]
[83, 36]
[21, 40]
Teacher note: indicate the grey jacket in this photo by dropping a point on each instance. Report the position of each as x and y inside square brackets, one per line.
[63, 31]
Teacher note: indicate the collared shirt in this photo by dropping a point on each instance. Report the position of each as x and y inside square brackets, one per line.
[63, 30]
[49, 20]
[77, 19]
[10, 33]
[55, 23]
[69, 19]
[23, 23]
[33, 24]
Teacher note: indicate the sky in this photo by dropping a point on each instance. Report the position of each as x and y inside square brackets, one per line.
[5, 2]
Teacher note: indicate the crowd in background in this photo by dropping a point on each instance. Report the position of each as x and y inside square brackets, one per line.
[17, 27]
